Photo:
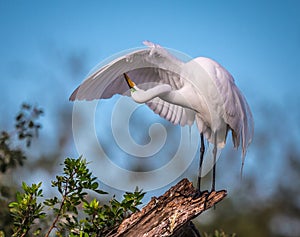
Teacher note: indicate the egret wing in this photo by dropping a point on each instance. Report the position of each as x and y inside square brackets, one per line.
[173, 113]
[144, 66]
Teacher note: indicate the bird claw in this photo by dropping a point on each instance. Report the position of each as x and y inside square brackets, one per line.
[199, 194]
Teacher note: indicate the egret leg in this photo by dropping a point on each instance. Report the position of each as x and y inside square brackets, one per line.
[213, 187]
[202, 150]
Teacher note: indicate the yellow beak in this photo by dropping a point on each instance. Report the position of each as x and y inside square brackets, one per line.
[128, 80]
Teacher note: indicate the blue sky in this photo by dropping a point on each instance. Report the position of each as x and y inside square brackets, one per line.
[257, 41]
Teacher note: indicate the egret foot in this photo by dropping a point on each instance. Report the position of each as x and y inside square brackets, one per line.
[199, 194]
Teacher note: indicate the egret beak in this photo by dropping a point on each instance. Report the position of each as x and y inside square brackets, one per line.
[128, 80]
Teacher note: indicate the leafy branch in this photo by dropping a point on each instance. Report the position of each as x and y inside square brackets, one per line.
[76, 178]
[26, 128]
[26, 209]
[99, 219]
[102, 220]
[26, 125]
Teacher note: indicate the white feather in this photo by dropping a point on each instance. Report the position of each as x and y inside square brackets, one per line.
[200, 90]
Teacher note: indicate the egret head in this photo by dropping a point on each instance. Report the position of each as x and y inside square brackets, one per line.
[130, 83]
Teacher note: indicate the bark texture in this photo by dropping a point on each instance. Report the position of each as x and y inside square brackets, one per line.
[171, 213]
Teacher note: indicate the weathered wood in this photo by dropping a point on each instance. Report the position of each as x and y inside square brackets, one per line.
[170, 213]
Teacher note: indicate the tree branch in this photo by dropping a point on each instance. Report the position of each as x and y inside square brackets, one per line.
[171, 213]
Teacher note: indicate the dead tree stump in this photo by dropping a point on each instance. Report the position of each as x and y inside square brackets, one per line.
[170, 214]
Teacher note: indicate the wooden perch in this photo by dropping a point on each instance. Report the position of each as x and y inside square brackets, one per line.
[170, 214]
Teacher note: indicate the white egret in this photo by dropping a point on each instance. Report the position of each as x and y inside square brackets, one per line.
[200, 90]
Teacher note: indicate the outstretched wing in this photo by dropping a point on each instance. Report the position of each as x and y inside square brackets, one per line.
[147, 68]
[143, 66]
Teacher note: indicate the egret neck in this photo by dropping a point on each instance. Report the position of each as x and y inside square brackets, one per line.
[163, 91]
